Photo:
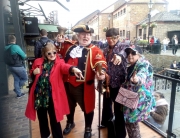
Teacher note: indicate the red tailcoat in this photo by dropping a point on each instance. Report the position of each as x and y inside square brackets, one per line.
[59, 97]
[64, 46]
[93, 55]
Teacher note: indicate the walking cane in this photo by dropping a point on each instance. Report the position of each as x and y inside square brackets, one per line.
[100, 91]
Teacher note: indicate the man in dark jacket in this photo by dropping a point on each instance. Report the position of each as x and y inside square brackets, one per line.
[116, 61]
[17, 68]
[41, 43]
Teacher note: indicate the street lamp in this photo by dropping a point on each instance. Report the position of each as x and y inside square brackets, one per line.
[109, 18]
[150, 4]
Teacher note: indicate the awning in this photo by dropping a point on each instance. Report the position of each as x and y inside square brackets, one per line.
[48, 27]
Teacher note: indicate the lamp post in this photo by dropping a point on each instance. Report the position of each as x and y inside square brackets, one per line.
[150, 4]
[109, 18]
[68, 29]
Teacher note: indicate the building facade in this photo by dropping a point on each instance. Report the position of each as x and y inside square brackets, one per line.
[125, 16]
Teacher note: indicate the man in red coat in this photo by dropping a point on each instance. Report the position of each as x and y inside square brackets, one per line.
[86, 57]
[61, 42]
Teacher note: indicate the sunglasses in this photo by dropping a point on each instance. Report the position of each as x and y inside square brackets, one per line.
[112, 37]
[131, 52]
[51, 53]
[62, 36]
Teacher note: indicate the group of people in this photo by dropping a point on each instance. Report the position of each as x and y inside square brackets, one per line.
[64, 74]
[165, 42]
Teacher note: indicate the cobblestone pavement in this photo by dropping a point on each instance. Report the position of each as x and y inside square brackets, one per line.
[13, 123]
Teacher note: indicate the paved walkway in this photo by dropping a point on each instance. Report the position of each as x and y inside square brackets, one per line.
[13, 123]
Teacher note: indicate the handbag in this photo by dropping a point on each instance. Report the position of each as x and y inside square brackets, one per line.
[127, 98]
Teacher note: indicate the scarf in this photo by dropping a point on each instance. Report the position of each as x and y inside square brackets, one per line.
[43, 87]
[161, 102]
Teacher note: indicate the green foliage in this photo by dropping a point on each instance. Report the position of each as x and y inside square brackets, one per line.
[105, 29]
[144, 25]
[153, 25]
[142, 42]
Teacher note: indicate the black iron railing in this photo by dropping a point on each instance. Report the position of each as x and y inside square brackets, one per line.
[160, 83]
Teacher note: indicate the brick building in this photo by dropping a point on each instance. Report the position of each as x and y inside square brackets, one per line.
[127, 16]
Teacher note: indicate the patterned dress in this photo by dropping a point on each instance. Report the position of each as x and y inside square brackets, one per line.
[144, 88]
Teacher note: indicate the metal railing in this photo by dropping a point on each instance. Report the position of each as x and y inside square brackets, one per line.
[164, 80]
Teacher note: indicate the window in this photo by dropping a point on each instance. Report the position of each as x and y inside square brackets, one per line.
[150, 31]
[120, 33]
[124, 10]
[123, 32]
[128, 35]
[144, 34]
[140, 32]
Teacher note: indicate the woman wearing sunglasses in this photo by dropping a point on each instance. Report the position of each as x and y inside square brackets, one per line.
[47, 94]
[139, 79]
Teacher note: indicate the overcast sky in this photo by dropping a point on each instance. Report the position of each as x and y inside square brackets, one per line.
[81, 8]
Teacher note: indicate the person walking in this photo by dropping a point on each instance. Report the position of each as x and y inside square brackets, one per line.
[17, 68]
[41, 43]
[116, 61]
[165, 44]
[139, 79]
[47, 94]
[86, 57]
[174, 44]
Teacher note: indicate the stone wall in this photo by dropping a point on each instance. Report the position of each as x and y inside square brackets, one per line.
[160, 61]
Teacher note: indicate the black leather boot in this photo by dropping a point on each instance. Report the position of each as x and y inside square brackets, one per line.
[69, 127]
[87, 133]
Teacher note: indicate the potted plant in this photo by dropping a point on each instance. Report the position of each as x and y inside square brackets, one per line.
[105, 29]
[153, 25]
[143, 44]
[144, 25]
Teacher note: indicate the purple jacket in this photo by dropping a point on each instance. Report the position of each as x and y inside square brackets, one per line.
[116, 72]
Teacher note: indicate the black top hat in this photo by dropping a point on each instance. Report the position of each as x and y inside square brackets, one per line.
[82, 28]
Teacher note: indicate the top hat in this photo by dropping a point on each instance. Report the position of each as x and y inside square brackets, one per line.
[82, 28]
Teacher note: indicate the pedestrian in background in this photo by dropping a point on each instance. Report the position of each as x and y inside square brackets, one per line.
[165, 43]
[62, 43]
[17, 68]
[174, 44]
[41, 43]
[139, 79]
[152, 41]
[47, 94]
